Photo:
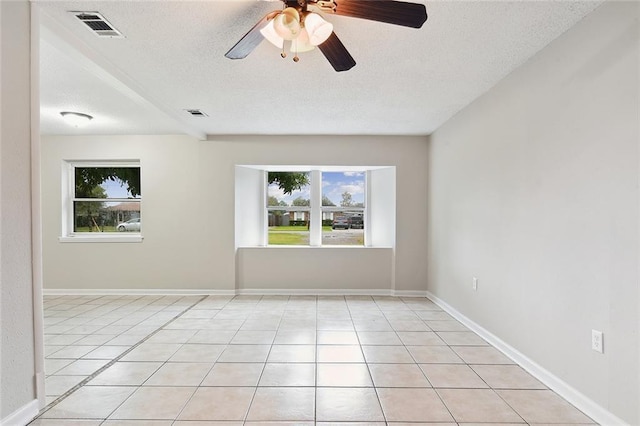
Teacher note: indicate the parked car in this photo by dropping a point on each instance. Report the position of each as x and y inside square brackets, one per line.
[130, 225]
[340, 222]
[356, 222]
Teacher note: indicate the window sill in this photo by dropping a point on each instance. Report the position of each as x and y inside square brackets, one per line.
[326, 246]
[137, 238]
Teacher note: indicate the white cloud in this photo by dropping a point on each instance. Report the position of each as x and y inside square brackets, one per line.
[357, 188]
[350, 174]
[274, 191]
[306, 194]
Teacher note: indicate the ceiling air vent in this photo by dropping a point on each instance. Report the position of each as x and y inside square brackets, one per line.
[196, 113]
[97, 24]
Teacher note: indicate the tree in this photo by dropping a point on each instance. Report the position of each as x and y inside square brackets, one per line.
[327, 202]
[87, 178]
[301, 202]
[86, 212]
[274, 202]
[89, 208]
[289, 181]
[347, 199]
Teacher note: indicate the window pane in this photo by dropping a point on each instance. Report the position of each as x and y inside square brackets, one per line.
[344, 189]
[107, 182]
[102, 216]
[289, 228]
[279, 182]
[343, 228]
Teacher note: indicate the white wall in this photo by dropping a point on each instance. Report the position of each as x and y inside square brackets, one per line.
[188, 199]
[17, 363]
[249, 205]
[534, 190]
[381, 199]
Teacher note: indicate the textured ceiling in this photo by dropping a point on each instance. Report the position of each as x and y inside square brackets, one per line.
[406, 81]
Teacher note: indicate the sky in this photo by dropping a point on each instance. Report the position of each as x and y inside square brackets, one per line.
[333, 185]
[115, 189]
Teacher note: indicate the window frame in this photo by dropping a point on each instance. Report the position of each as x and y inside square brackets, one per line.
[69, 198]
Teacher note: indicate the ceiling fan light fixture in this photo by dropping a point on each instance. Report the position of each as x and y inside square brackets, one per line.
[318, 29]
[76, 119]
[302, 44]
[290, 21]
[269, 32]
[287, 23]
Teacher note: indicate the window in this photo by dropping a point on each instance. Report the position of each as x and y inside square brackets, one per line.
[102, 199]
[292, 204]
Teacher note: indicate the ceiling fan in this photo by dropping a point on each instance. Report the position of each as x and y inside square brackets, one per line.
[306, 29]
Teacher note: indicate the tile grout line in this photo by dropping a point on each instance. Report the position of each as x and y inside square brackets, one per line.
[315, 372]
[208, 372]
[112, 362]
[79, 314]
[366, 363]
[98, 306]
[253, 397]
[435, 389]
[403, 344]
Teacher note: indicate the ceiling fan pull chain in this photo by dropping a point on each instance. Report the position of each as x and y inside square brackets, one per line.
[295, 50]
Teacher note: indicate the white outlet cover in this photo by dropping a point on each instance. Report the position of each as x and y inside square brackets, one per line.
[597, 342]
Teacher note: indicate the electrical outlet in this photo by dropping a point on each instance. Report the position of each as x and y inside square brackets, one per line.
[475, 283]
[597, 342]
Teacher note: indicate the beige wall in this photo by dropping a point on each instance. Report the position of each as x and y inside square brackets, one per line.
[17, 363]
[348, 268]
[534, 190]
[188, 214]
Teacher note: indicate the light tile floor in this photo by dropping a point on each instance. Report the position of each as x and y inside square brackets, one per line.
[194, 361]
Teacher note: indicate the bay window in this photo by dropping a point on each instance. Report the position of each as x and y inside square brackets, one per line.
[314, 206]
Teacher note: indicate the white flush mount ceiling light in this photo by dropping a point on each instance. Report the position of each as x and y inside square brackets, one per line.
[76, 119]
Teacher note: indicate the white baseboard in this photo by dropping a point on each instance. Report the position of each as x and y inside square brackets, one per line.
[408, 293]
[22, 415]
[242, 291]
[135, 292]
[313, 292]
[562, 388]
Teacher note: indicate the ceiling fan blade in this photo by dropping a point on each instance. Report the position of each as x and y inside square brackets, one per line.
[337, 55]
[392, 12]
[251, 39]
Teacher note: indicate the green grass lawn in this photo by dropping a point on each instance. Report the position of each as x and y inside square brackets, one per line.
[295, 228]
[288, 239]
[299, 236]
[102, 229]
[291, 235]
